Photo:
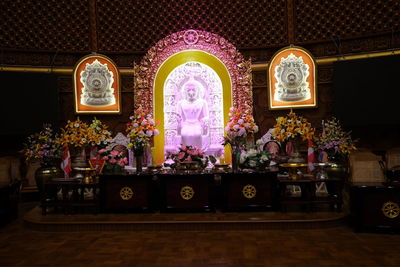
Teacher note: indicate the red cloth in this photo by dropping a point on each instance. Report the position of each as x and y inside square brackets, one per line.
[66, 162]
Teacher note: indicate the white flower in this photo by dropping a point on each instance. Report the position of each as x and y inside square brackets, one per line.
[76, 125]
[156, 132]
[240, 121]
[144, 122]
[255, 128]
[264, 158]
[135, 125]
[252, 152]
[149, 133]
[236, 127]
[259, 142]
[243, 157]
[252, 163]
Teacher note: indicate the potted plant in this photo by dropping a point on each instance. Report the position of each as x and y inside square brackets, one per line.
[239, 128]
[44, 148]
[141, 129]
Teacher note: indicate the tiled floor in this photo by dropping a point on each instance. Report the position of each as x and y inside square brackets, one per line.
[336, 246]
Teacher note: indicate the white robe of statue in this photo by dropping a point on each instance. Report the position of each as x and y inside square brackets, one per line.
[193, 112]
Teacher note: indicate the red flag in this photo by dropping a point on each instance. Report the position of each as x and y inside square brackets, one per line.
[66, 162]
[310, 156]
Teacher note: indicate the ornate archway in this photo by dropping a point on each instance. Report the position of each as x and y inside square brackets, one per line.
[188, 47]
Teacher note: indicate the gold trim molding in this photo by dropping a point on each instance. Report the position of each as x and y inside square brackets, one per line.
[254, 67]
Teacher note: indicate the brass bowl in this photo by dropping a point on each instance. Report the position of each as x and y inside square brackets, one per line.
[154, 168]
[221, 168]
[189, 167]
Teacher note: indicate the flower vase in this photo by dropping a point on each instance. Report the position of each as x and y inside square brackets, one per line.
[44, 173]
[235, 158]
[295, 155]
[79, 158]
[339, 166]
[138, 153]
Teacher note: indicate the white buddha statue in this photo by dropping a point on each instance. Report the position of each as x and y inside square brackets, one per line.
[193, 113]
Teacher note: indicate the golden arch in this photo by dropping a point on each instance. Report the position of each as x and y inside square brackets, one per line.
[158, 90]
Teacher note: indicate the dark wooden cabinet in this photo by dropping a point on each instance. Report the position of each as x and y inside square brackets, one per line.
[374, 207]
[122, 193]
[187, 191]
[248, 191]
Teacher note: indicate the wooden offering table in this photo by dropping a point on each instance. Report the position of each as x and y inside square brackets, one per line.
[308, 196]
[70, 196]
[188, 191]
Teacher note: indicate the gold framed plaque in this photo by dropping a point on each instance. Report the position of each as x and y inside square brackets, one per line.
[96, 86]
[292, 79]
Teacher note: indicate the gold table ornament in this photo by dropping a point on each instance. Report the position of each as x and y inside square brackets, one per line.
[293, 169]
[126, 193]
[87, 176]
[187, 192]
[390, 209]
[249, 191]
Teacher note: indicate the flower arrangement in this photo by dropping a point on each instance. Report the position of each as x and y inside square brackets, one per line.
[240, 125]
[141, 128]
[113, 156]
[99, 135]
[292, 126]
[254, 158]
[42, 146]
[333, 139]
[76, 133]
[188, 154]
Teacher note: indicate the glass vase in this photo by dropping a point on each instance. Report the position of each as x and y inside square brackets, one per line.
[235, 158]
[295, 156]
[138, 153]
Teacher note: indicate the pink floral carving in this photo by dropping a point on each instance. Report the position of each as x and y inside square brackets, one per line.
[238, 68]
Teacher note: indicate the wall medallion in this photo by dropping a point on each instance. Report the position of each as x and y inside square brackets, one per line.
[96, 85]
[292, 79]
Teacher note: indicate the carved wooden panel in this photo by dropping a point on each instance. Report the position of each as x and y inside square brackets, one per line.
[57, 25]
[317, 20]
[126, 26]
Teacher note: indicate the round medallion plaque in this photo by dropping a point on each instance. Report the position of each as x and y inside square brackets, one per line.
[187, 192]
[249, 191]
[391, 209]
[126, 193]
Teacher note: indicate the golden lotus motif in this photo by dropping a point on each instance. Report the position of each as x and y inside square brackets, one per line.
[249, 191]
[187, 192]
[126, 193]
[391, 209]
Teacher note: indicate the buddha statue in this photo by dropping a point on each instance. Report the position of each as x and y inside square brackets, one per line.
[193, 115]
